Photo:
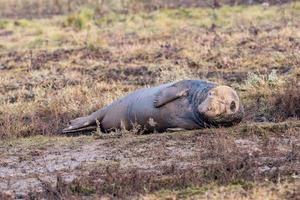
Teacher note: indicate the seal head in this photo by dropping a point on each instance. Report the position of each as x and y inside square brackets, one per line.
[221, 106]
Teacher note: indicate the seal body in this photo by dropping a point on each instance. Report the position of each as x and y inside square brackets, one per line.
[167, 106]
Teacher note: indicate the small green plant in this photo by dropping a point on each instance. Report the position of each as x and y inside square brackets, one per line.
[273, 79]
[36, 43]
[192, 191]
[58, 39]
[98, 133]
[3, 24]
[254, 80]
[22, 23]
[79, 20]
[85, 188]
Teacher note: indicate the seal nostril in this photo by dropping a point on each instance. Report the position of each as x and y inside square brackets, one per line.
[232, 106]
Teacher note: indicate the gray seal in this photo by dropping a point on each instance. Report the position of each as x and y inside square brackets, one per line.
[187, 105]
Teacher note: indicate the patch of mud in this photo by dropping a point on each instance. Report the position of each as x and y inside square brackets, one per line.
[260, 46]
[232, 76]
[96, 54]
[37, 60]
[138, 75]
[131, 162]
[5, 33]
[165, 52]
[55, 79]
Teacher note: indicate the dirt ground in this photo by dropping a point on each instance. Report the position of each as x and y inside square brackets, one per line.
[125, 164]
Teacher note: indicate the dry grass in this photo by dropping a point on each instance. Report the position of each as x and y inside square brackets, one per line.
[271, 101]
[56, 69]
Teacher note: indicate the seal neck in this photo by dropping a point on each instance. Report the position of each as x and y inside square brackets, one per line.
[198, 96]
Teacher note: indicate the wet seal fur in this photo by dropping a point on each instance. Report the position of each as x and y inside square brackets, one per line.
[187, 105]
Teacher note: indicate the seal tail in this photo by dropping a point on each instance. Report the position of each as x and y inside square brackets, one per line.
[80, 124]
[84, 123]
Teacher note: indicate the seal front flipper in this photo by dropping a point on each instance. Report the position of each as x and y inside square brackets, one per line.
[170, 93]
[85, 123]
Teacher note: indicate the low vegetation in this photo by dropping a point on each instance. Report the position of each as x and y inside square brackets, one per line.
[69, 58]
[56, 69]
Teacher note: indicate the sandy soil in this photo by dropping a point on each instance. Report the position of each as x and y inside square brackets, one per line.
[221, 156]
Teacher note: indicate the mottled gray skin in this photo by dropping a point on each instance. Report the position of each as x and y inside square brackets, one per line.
[167, 106]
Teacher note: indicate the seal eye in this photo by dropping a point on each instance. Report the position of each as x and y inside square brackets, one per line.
[232, 106]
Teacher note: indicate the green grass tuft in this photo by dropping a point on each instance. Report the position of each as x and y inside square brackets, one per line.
[79, 20]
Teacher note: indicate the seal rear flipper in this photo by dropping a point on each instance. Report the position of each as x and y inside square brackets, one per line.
[82, 123]
[88, 128]
[170, 93]
[79, 123]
